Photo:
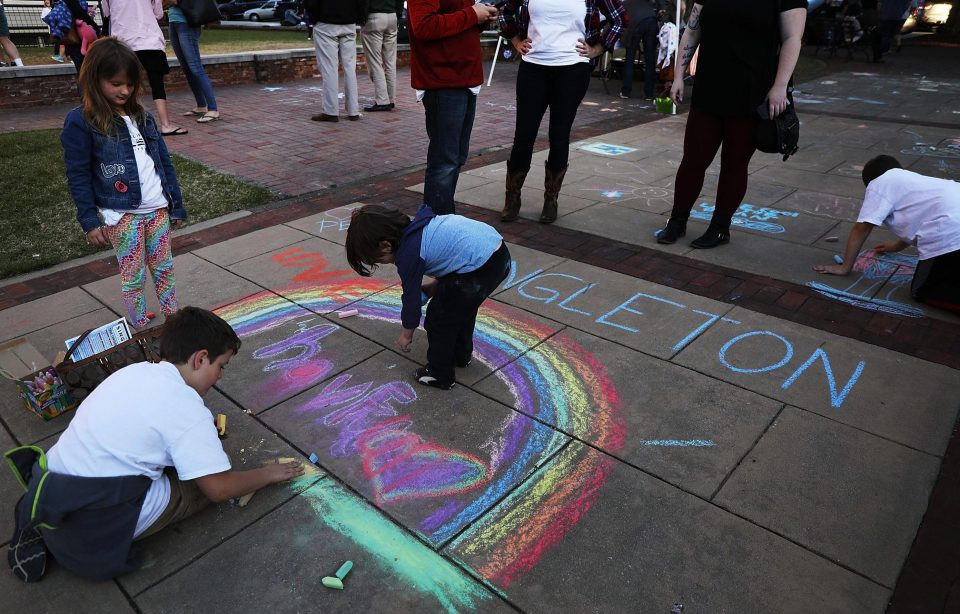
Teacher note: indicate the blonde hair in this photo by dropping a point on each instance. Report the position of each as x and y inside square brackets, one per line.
[106, 58]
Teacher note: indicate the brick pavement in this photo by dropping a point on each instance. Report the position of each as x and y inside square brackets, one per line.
[928, 582]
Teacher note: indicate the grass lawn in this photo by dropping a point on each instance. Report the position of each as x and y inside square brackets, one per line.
[212, 42]
[38, 218]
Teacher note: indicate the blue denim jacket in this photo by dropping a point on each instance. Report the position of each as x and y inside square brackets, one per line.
[102, 170]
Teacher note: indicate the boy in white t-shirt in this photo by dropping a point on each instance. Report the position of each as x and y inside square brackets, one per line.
[141, 453]
[921, 211]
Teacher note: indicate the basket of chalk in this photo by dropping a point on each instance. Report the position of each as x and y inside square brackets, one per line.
[44, 394]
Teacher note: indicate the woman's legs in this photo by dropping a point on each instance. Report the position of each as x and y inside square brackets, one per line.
[176, 34]
[738, 148]
[701, 140]
[159, 93]
[532, 100]
[160, 259]
[566, 87]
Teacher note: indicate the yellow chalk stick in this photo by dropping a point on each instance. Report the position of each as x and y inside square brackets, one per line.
[221, 423]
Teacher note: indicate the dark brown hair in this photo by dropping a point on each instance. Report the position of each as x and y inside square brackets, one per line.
[369, 225]
[105, 59]
[878, 166]
[193, 329]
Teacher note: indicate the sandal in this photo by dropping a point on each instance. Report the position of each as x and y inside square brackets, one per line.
[207, 118]
[175, 132]
[194, 113]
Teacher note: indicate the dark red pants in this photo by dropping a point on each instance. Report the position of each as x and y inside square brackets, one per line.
[703, 137]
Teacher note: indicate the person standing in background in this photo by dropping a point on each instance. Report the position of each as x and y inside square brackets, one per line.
[446, 70]
[642, 31]
[8, 47]
[186, 45]
[379, 36]
[335, 41]
[135, 23]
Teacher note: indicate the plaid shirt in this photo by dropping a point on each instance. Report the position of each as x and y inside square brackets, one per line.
[514, 21]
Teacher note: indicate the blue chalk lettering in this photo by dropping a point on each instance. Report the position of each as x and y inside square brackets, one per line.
[554, 294]
[621, 307]
[513, 274]
[563, 304]
[696, 332]
[836, 399]
[726, 347]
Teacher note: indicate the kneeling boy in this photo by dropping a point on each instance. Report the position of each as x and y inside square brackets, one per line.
[468, 258]
[141, 453]
[919, 210]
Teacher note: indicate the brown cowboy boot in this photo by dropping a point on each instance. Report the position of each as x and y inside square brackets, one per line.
[511, 202]
[552, 180]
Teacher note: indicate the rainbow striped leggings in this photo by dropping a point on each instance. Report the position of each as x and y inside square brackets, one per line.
[143, 241]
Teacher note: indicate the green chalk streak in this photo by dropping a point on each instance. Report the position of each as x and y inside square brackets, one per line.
[416, 564]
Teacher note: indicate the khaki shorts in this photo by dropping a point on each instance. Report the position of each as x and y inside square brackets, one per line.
[186, 499]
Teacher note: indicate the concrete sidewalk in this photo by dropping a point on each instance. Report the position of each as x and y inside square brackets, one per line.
[618, 444]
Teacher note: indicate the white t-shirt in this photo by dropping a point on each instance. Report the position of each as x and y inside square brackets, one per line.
[923, 211]
[139, 421]
[151, 188]
[554, 29]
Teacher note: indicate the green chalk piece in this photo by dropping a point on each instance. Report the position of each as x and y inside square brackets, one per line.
[331, 582]
[344, 570]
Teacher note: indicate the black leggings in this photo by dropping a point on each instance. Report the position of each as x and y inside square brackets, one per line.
[157, 91]
[559, 88]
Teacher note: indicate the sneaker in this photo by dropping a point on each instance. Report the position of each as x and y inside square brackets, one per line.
[424, 377]
[623, 95]
[27, 555]
[57, 58]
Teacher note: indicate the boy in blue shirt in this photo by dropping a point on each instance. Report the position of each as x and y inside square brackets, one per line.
[468, 259]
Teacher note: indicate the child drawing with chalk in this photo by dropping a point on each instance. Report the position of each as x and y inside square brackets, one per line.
[468, 260]
[141, 454]
[121, 178]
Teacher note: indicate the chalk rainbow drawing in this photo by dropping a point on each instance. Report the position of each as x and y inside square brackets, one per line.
[557, 382]
[893, 269]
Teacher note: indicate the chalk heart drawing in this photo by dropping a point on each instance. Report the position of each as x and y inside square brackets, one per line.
[560, 383]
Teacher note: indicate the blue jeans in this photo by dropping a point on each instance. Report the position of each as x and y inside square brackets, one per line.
[186, 45]
[645, 32]
[449, 114]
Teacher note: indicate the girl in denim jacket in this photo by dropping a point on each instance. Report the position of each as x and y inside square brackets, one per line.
[120, 176]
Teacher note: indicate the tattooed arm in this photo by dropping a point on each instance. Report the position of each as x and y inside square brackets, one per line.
[688, 45]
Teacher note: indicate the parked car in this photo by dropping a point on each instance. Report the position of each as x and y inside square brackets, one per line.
[236, 8]
[932, 15]
[264, 12]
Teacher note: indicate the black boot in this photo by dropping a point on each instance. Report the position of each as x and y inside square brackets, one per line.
[714, 236]
[674, 229]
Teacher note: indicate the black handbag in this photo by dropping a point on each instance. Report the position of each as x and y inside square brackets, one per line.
[780, 135]
[199, 12]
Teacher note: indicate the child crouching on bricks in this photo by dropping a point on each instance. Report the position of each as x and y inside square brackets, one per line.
[468, 259]
[141, 453]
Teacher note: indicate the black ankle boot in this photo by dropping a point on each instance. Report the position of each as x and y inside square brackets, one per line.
[712, 238]
[672, 231]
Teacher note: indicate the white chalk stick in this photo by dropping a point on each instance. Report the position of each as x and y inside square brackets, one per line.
[242, 501]
[346, 313]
